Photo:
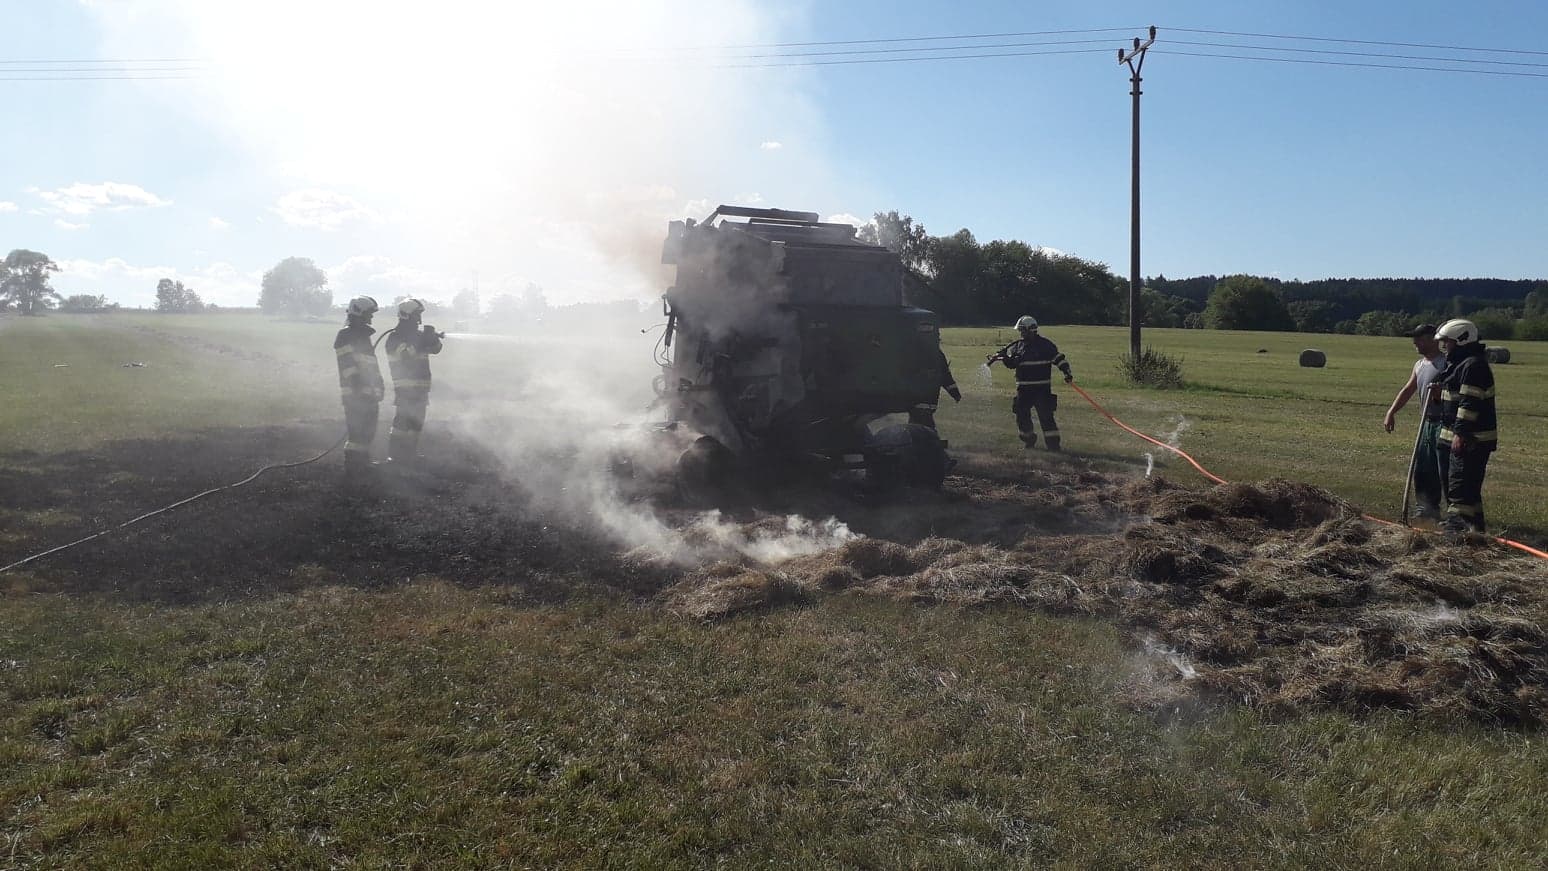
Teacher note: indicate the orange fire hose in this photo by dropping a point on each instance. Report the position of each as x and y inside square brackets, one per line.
[1219, 480]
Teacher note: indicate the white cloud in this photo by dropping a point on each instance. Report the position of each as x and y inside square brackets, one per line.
[751, 199]
[7, 207]
[1051, 252]
[62, 224]
[771, 145]
[123, 282]
[81, 199]
[323, 209]
[846, 218]
[217, 223]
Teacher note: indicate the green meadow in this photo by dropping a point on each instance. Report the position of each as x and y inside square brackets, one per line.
[431, 722]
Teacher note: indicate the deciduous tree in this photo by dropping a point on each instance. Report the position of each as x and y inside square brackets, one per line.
[172, 296]
[1246, 302]
[85, 302]
[24, 281]
[295, 287]
[901, 234]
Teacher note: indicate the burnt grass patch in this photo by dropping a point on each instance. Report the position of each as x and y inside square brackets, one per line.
[457, 517]
[1275, 594]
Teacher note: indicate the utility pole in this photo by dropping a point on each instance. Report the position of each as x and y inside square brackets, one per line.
[1135, 60]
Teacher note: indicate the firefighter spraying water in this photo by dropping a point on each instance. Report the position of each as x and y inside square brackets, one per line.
[409, 347]
[1033, 357]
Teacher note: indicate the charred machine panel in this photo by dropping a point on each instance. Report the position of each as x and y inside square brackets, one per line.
[789, 335]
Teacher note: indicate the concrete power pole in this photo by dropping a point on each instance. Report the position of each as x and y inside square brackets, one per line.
[1135, 60]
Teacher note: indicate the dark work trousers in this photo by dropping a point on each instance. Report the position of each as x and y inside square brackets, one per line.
[1464, 487]
[1430, 471]
[407, 423]
[360, 416]
[1044, 401]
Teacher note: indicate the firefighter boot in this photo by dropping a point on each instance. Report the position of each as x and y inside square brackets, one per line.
[1053, 443]
[399, 452]
[1028, 439]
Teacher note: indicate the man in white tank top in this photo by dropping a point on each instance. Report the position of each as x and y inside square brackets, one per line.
[1430, 468]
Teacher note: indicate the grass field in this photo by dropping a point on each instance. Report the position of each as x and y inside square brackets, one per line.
[1252, 416]
[419, 716]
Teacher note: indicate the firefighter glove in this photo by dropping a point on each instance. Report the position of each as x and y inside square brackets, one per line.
[955, 394]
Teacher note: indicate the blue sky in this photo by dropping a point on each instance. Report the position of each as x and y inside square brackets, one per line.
[416, 153]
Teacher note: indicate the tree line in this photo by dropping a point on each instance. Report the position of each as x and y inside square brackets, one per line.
[971, 282]
[1359, 306]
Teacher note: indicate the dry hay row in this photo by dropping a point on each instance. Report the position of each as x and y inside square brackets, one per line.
[1275, 595]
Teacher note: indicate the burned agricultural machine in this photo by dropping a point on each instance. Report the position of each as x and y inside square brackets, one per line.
[786, 339]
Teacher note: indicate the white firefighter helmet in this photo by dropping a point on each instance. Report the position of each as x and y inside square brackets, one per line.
[1459, 331]
[1026, 322]
[410, 308]
[362, 307]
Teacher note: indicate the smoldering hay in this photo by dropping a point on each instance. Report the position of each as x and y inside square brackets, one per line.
[1274, 595]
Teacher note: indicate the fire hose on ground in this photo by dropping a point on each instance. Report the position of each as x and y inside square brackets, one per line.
[1219, 480]
[149, 514]
[249, 479]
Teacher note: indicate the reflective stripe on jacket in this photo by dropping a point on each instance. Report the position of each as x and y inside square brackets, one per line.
[1467, 397]
[360, 375]
[1034, 359]
[408, 357]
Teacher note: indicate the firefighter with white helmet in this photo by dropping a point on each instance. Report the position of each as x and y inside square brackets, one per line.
[408, 356]
[1033, 357]
[1468, 423]
[360, 383]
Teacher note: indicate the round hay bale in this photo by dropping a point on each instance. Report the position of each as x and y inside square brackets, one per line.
[1498, 355]
[1312, 358]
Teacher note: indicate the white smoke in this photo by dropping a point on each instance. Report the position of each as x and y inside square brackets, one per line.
[524, 142]
[1174, 437]
[1179, 663]
[557, 423]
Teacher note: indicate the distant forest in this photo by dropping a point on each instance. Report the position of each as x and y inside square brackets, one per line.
[1374, 306]
[971, 283]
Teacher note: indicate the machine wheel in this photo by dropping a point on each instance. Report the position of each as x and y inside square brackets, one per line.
[706, 473]
[907, 453]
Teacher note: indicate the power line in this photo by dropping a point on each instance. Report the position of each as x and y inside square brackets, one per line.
[1357, 41]
[1337, 63]
[151, 60]
[112, 78]
[1512, 63]
[863, 51]
[911, 39]
[171, 69]
[886, 60]
[1163, 28]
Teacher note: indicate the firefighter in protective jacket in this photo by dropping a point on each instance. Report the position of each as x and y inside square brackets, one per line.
[1033, 357]
[923, 413]
[408, 356]
[1468, 425]
[360, 383]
